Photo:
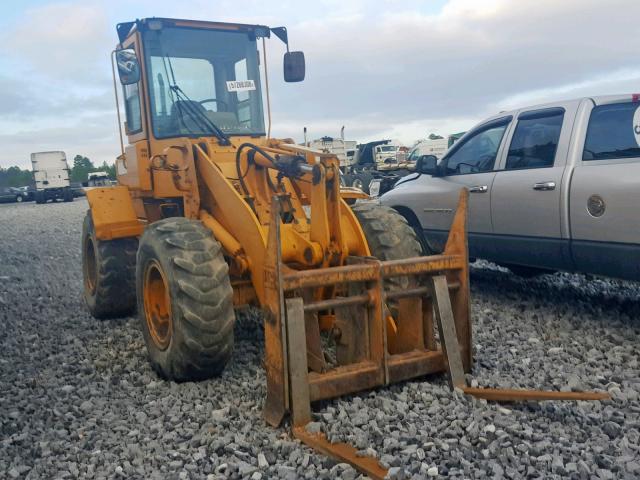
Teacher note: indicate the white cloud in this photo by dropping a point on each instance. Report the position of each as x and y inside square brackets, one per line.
[62, 42]
[382, 69]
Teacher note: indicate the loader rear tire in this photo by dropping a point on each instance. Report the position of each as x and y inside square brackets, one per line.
[389, 236]
[108, 270]
[185, 300]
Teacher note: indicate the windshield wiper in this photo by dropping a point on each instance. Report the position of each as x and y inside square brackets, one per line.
[200, 117]
[182, 99]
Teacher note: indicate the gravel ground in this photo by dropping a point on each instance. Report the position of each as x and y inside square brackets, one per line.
[79, 400]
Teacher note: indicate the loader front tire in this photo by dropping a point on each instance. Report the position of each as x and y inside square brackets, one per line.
[185, 300]
[389, 236]
[108, 270]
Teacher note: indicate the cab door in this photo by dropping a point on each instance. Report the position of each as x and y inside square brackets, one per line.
[470, 163]
[527, 192]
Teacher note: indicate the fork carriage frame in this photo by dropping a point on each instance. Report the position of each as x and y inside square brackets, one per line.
[372, 348]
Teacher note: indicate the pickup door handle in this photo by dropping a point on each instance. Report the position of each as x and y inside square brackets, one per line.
[479, 189]
[544, 186]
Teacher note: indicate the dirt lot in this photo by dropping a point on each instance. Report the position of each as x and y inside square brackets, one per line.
[79, 400]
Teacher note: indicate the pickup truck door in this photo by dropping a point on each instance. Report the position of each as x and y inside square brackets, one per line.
[469, 163]
[605, 192]
[527, 191]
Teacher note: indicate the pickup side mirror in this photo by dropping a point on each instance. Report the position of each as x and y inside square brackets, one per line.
[128, 66]
[427, 164]
[294, 66]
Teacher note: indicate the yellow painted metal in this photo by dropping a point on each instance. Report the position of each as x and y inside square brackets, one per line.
[132, 169]
[352, 193]
[112, 213]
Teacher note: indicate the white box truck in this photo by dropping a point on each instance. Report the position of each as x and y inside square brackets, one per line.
[51, 175]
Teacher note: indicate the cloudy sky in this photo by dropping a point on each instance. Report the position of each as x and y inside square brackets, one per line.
[382, 68]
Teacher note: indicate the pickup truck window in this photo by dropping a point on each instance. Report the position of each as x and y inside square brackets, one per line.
[478, 152]
[612, 132]
[535, 140]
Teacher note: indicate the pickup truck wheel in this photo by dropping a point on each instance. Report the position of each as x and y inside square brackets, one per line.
[108, 268]
[185, 300]
[527, 272]
[389, 236]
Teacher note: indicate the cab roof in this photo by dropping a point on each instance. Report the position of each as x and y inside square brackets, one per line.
[126, 29]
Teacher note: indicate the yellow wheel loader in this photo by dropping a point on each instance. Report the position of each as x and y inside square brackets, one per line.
[211, 213]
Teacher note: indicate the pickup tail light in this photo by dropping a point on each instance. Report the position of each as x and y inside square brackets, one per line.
[635, 97]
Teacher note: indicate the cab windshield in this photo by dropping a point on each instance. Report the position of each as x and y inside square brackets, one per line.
[201, 80]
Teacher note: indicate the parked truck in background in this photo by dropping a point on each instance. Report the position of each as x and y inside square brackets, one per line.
[341, 148]
[433, 145]
[552, 187]
[379, 159]
[51, 176]
[98, 179]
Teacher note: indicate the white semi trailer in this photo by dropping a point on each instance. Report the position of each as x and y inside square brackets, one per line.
[51, 175]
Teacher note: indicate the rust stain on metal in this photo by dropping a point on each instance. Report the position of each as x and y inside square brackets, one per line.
[341, 451]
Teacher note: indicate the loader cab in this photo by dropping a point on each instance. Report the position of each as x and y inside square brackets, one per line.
[193, 79]
[195, 75]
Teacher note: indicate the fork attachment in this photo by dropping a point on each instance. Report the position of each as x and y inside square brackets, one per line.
[378, 337]
[381, 336]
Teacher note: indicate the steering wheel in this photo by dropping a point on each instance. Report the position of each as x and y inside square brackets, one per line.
[472, 168]
[215, 100]
[486, 162]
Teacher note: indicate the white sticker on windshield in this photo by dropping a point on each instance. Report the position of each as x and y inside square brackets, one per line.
[241, 86]
[636, 125]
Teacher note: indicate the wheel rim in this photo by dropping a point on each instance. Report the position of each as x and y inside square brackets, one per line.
[157, 305]
[357, 183]
[90, 266]
[19, 199]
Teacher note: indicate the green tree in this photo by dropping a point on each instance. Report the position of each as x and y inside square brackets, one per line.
[81, 168]
[110, 168]
[15, 177]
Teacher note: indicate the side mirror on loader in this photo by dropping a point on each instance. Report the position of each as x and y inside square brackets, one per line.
[294, 67]
[128, 66]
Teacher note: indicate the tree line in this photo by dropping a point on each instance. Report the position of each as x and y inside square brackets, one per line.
[82, 166]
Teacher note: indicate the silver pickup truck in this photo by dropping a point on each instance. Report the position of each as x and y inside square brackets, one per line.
[552, 187]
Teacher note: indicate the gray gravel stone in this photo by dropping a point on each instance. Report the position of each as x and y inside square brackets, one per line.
[314, 427]
[79, 398]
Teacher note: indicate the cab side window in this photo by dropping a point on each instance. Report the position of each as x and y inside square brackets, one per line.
[478, 152]
[535, 140]
[614, 132]
[132, 108]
